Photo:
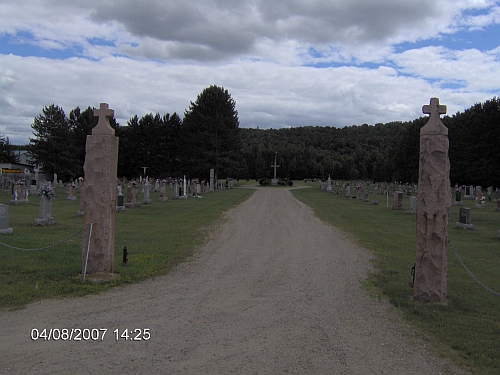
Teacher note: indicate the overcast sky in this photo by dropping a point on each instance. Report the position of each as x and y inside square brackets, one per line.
[285, 62]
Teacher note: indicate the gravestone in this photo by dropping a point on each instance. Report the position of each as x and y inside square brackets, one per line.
[211, 190]
[458, 197]
[4, 220]
[413, 205]
[433, 208]
[375, 196]
[348, 191]
[132, 191]
[329, 185]
[45, 211]
[20, 196]
[163, 192]
[498, 206]
[465, 219]
[176, 190]
[366, 198]
[120, 199]
[100, 169]
[146, 199]
[71, 193]
[397, 200]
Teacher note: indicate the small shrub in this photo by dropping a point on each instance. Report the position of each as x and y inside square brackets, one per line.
[264, 182]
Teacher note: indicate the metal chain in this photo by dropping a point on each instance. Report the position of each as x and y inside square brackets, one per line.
[42, 248]
[470, 273]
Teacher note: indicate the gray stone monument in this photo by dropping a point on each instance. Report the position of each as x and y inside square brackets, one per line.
[465, 219]
[397, 200]
[146, 199]
[4, 220]
[458, 197]
[413, 205]
[433, 208]
[45, 211]
[175, 195]
[375, 196]
[211, 190]
[100, 168]
[163, 192]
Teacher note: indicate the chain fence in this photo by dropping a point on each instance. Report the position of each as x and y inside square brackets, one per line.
[470, 273]
[42, 248]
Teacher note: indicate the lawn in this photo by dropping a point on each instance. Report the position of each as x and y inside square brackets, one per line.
[467, 329]
[158, 237]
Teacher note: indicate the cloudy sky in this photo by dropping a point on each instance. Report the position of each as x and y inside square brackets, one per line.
[285, 62]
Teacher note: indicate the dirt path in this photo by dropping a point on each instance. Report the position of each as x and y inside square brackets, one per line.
[274, 291]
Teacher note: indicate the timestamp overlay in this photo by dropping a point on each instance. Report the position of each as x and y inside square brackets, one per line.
[90, 334]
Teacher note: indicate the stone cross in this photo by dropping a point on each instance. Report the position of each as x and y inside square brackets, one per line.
[433, 208]
[99, 194]
[275, 165]
[103, 126]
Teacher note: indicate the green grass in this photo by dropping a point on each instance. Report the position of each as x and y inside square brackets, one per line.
[158, 237]
[467, 329]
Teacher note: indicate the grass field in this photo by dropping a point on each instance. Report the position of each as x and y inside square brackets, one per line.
[158, 237]
[468, 328]
[161, 235]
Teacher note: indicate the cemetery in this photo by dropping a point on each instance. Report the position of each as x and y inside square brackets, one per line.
[96, 233]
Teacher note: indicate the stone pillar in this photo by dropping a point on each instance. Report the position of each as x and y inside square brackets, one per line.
[100, 170]
[211, 181]
[433, 208]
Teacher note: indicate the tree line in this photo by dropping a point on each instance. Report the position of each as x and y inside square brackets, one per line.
[209, 136]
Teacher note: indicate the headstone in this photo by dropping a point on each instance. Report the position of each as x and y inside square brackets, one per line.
[433, 208]
[146, 199]
[71, 193]
[465, 219]
[100, 168]
[4, 220]
[120, 199]
[132, 191]
[366, 198]
[176, 190]
[329, 185]
[413, 205]
[211, 181]
[163, 192]
[375, 198]
[397, 200]
[45, 209]
[348, 191]
[458, 197]
[20, 196]
[498, 206]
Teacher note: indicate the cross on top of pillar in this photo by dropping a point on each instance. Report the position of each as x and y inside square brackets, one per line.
[103, 127]
[434, 125]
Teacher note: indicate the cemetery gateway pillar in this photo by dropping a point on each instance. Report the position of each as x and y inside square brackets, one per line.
[100, 170]
[433, 208]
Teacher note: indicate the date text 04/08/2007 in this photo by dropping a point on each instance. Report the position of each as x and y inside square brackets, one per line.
[89, 334]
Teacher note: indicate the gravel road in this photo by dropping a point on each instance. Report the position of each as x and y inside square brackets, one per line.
[274, 291]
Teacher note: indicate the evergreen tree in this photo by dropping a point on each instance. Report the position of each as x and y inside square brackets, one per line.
[52, 147]
[6, 151]
[210, 133]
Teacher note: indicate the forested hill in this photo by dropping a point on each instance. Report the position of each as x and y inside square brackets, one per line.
[381, 152]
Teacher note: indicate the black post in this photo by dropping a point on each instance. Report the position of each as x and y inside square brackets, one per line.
[125, 256]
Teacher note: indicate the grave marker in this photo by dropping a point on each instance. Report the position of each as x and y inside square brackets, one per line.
[100, 170]
[433, 208]
[465, 219]
[4, 220]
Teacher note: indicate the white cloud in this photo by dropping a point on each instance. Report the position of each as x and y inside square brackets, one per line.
[157, 56]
